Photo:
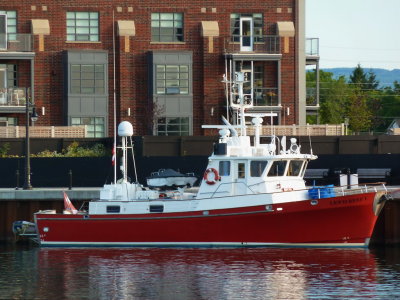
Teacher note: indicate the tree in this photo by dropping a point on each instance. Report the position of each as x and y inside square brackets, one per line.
[364, 81]
[360, 117]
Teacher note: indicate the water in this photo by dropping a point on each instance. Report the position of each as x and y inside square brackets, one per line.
[270, 273]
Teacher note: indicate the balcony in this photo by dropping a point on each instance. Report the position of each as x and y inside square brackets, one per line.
[265, 97]
[311, 97]
[13, 99]
[312, 46]
[262, 98]
[266, 44]
[15, 42]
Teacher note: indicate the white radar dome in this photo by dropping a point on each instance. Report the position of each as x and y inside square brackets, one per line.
[125, 129]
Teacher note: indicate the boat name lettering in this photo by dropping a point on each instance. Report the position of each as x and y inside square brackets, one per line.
[347, 201]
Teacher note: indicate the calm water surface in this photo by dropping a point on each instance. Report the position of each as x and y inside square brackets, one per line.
[272, 273]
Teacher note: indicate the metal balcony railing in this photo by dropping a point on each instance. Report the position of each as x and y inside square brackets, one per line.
[13, 96]
[265, 97]
[311, 97]
[16, 42]
[268, 44]
[312, 46]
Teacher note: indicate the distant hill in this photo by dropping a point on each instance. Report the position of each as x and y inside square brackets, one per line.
[385, 77]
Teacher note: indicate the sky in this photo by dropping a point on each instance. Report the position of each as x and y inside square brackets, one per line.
[355, 31]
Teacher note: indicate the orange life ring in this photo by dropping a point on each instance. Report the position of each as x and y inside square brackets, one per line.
[216, 176]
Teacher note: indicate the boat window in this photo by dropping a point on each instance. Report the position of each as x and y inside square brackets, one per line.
[241, 170]
[277, 168]
[304, 168]
[224, 168]
[257, 168]
[294, 167]
[156, 208]
[113, 208]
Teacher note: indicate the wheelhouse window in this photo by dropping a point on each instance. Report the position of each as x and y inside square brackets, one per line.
[87, 79]
[167, 27]
[173, 126]
[83, 26]
[95, 125]
[224, 168]
[113, 209]
[294, 168]
[257, 26]
[277, 168]
[172, 79]
[241, 170]
[257, 168]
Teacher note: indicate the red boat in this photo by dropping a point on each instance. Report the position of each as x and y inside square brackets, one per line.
[251, 194]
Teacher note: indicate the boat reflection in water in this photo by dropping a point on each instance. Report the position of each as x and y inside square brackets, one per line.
[171, 273]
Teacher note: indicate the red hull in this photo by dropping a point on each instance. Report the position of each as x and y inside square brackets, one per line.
[346, 221]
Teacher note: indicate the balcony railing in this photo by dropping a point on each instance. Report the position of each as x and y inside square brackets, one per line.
[311, 97]
[44, 131]
[268, 44]
[13, 96]
[265, 97]
[16, 42]
[312, 46]
[306, 130]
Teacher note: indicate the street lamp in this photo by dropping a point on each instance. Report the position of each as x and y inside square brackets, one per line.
[33, 116]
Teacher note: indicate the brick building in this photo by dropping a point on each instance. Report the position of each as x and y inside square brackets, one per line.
[170, 59]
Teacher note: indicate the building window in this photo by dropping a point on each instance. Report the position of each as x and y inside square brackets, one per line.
[10, 121]
[12, 75]
[11, 23]
[173, 126]
[167, 27]
[95, 125]
[257, 26]
[83, 26]
[172, 79]
[87, 79]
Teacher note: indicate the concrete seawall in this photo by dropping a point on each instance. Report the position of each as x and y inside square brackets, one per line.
[22, 204]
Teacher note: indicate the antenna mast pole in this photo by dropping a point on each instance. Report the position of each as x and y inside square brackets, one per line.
[115, 105]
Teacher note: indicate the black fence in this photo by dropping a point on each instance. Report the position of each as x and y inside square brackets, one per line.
[95, 172]
[89, 171]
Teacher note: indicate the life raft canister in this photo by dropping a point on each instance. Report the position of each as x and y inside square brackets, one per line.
[214, 178]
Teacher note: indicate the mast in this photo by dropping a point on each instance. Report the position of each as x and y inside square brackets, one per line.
[115, 105]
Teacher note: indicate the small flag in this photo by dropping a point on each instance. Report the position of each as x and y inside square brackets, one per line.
[113, 155]
[68, 205]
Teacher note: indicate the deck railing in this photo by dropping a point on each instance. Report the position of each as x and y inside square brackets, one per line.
[293, 130]
[16, 42]
[268, 44]
[15, 96]
[44, 132]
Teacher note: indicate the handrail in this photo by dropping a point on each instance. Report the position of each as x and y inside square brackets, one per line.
[226, 183]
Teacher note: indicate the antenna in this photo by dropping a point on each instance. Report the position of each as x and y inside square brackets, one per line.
[115, 105]
[309, 139]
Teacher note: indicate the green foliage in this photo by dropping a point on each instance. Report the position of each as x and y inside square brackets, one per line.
[4, 149]
[74, 150]
[362, 80]
[359, 99]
